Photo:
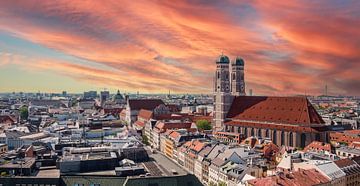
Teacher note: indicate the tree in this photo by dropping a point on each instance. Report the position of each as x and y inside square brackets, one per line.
[145, 140]
[203, 125]
[24, 113]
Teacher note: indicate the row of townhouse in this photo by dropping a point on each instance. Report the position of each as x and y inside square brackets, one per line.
[212, 162]
[336, 171]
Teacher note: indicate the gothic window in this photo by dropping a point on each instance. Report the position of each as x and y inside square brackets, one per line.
[218, 74]
[303, 140]
[259, 133]
[282, 138]
[274, 137]
[291, 139]
[267, 133]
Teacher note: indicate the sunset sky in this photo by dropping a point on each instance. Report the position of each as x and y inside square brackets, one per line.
[289, 47]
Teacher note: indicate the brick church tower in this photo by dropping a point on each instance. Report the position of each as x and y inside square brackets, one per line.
[228, 83]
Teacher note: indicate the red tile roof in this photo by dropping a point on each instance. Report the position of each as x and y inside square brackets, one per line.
[171, 125]
[114, 111]
[290, 110]
[318, 146]
[148, 104]
[174, 134]
[344, 162]
[145, 114]
[139, 123]
[6, 118]
[301, 177]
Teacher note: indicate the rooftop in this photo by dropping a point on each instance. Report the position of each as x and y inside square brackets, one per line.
[147, 104]
[287, 110]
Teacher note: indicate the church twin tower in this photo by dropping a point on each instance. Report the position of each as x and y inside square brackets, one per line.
[228, 83]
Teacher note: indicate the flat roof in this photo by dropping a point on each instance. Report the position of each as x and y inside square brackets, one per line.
[25, 163]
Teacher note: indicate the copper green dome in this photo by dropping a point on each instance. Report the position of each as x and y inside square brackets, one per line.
[239, 61]
[222, 59]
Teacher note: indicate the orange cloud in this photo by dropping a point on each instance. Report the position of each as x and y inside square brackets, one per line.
[161, 45]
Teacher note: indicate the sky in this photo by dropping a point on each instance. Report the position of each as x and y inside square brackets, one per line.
[153, 46]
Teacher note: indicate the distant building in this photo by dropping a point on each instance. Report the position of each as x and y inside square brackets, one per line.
[90, 95]
[104, 96]
[118, 98]
[135, 105]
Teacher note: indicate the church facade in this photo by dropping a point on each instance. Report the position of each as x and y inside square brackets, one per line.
[287, 121]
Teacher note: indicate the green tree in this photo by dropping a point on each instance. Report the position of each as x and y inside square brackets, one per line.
[24, 113]
[203, 125]
[145, 140]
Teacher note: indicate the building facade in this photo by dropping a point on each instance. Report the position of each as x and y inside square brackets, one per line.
[287, 121]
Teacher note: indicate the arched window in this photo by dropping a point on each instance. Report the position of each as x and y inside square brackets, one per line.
[218, 74]
[239, 130]
[233, 76]
[259, 133]
[274, 137]
[267, 134]
[291, 140]
[303, 140]
[252, 132]
[245, 132]
[282, 138]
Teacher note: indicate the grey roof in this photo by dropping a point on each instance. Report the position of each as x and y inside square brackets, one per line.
[14, 134]
[228, 152]
[218, 162]
[331, 170]
[206, 151]
[215, 151]
[349, 150]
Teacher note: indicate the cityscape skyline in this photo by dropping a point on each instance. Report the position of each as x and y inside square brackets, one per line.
[154, 47]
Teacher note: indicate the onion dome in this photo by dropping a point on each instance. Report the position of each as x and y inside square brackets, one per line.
[222, 59]
[238, 61]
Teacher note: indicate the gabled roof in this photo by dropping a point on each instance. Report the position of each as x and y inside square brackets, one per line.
[318, 146]
[174, 135]
[147, 104]
[289, 110]
[173, 125]
[301, 177]
[344, 162]
[145, 114]
[5, 118]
